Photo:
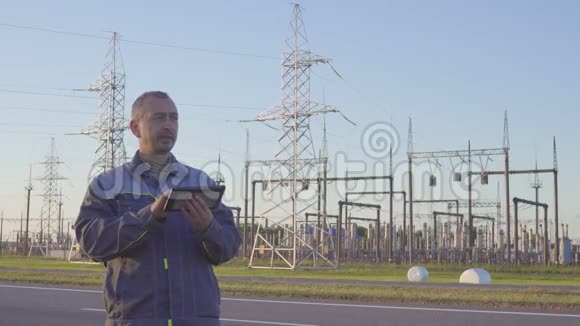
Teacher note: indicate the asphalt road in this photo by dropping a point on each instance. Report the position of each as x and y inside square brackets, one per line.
[22, 305]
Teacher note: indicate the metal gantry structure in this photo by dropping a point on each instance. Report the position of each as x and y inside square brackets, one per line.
[546, 245]
[467, 244]
[464, 154]
[468, 155]
[340, 222]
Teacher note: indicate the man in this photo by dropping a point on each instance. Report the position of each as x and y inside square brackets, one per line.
[159, 265]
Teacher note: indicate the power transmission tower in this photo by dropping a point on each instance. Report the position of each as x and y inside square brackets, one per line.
[295, 164]
[111, 123]
[220, 179]
[50, 196]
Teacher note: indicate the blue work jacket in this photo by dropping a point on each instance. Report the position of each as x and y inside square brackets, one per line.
[159, 273]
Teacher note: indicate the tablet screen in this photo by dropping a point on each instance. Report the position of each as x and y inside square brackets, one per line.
[210, 195]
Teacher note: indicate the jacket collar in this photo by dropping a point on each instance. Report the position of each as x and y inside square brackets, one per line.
[173, 165]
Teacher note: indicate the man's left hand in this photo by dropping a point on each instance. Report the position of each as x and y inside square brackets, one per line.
[197, 213]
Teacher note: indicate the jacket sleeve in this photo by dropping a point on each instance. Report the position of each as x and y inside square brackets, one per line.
[102, 234]
[222, 239]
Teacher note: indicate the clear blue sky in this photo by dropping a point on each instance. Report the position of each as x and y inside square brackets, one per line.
[454, 66]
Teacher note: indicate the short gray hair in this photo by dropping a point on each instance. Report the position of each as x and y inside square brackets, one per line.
[136, 108]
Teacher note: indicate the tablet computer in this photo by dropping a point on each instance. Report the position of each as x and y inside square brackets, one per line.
[211, 195]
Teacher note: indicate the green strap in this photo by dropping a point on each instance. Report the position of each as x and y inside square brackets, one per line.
[165, 263]
[169, 322]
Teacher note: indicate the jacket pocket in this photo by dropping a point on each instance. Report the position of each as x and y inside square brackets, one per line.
[206, 291]
[135, 287]
[113, 287]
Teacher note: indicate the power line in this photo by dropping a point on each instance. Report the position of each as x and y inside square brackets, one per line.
[197, 106]
[163, 45]
[41, 124]
[10, 83]
[27, 125]
[48, 110]
[222, 106]
[20, 132]
[45, 94]
[42, 29]
[242, 54]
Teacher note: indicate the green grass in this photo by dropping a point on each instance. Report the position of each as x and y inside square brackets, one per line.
[526, 298]
[45, 263]
[84, 279]
[438, 273]
[529, 298]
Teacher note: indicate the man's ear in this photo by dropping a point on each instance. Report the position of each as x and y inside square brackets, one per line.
[134, 125]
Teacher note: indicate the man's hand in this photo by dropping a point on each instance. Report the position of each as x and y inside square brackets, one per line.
[158, 205]
[197, 213]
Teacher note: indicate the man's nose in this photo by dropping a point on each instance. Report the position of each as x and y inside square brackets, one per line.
[168, 123]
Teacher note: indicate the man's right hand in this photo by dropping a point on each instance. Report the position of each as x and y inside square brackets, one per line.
[158, 205]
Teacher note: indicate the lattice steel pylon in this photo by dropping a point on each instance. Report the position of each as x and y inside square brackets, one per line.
[111, 123]
[51, 198]
[294, 167]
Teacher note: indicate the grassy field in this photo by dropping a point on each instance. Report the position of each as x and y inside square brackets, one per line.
[45, 271]
[45, 263]
[537, 299]
[529, 298]
[438, 273]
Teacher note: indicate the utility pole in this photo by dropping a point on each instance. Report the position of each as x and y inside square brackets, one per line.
[1, 230]
[20, 233]
[536, 185]
[556, 203]
[59, 235]
[506, 149]
[246, 181]
[410, 156]
[28, 190]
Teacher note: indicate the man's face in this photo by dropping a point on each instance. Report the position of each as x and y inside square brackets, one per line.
[157, 127]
